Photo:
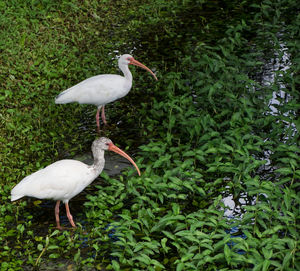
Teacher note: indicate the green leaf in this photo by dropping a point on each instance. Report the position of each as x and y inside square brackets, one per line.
[54, 256]
[227, 253]
[287, 259]
[180, 267]
[40, 247]
[54, 233]
[284, 171]
[188, 153]
[267, 253]
[187, 257]
[163, 243]
[165, 221]
[266, 265]
[144, 259]
[175, 208]
[115, 265]
[77, 255]
[211, 150]
[139, 246]
[169, 235]
[53, 247]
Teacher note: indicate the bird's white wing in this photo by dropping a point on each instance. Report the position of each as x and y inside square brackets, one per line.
[98, 90]
[61, 180]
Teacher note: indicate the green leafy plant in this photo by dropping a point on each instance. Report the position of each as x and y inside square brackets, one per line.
[204, 131]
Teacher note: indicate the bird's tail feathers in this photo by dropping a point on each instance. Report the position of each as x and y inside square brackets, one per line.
[16, 197]
[63, 97]
[17, 192]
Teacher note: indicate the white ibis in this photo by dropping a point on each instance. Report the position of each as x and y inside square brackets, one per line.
[64, 179]
[102, 89]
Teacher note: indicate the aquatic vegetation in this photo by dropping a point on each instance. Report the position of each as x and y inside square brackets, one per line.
[223, 119]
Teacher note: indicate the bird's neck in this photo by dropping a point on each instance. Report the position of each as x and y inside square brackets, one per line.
[99, 161]
[126, 72]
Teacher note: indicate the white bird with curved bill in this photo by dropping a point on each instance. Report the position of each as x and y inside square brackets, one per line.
[64, 179]
[102, 89]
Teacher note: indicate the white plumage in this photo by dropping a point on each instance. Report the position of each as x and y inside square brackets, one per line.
[98, 90]
[58, 181]
[64, 179]
[102, 89]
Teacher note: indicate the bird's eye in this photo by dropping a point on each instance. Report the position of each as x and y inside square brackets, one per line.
[128, 58]
[107, 144]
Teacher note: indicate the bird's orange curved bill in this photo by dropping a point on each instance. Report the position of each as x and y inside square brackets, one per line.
[115, 149]
[137, 63]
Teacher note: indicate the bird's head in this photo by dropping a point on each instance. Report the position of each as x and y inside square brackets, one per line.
[105, 144]
[125, 59]
[101, 143]
[129, 59]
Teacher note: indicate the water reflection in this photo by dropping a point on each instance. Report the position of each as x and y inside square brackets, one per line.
[273, 71]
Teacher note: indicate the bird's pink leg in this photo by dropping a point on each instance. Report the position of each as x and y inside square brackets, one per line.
[70, 217]
[57, 215]
[103, 115]
[97, 120]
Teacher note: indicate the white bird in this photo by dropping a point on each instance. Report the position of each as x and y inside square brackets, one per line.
[102, 89]
[64, 179]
